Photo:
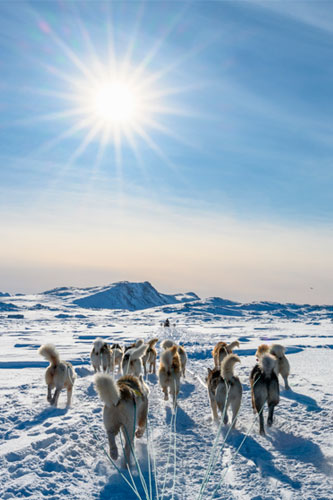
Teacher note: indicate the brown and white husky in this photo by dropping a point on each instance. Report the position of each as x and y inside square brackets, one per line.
[58, 375]
[166, 344]
[221, 350]
[224, 389]
[150, 357]
[126, 408]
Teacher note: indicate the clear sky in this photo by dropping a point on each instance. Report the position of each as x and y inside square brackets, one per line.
[184, 143]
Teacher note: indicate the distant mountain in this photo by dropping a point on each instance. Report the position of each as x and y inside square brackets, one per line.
[215, 306]
[6, 306]
[63, 291]
[4, 294]
[131, 296]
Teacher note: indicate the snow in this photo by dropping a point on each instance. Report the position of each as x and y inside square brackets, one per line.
[55, 453]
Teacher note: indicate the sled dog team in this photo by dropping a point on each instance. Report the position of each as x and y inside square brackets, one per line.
[126, 399]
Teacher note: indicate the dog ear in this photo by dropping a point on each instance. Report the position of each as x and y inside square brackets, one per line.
[209, 370]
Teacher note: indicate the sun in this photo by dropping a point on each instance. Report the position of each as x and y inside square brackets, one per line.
[115, 103]
[112, 103]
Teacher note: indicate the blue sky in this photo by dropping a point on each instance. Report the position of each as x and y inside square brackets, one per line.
[228, 190]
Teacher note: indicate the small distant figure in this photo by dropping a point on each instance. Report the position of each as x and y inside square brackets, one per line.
[166, 323]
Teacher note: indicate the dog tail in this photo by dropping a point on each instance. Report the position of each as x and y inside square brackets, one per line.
[137, 352]
[151, 343]
[107, 389]
[227, 366]
[277, 350]
[166, 344]
[167, 357]
[232, 346]
[49, 352]
[267, 363]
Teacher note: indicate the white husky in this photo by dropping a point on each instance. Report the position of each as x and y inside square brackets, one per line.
[282, 366]
[100, 356]
[58, 375]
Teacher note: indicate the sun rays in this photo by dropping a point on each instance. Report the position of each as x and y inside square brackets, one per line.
[114, 103]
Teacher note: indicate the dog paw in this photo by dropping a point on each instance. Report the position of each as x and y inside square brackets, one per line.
[114, 453]
[139, 433]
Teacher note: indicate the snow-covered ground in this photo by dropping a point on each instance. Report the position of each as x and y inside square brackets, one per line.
[57, 453]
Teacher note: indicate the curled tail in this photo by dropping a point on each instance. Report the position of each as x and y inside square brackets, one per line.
[166, 344]
[152, 343]
[232, 346]
[277, 350]
[107, 389]
[49, 352]
[137, 352]
[267, 363]
[227, 366]
[167, 357]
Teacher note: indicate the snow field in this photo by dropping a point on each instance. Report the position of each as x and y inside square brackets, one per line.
[55, 453]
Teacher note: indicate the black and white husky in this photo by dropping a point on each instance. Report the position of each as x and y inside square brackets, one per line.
[224, 389]
[265, 388]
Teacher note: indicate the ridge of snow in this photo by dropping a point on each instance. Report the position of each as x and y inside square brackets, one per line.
[131, 296]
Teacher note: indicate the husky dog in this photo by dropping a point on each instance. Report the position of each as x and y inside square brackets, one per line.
[58, 375]
[265, 387]
[117, 356]
[126, 405]
[221, 350]
[150, 357]
[132, 362]
[100, 356]
[282, 366]
[169, 373]
[166, 344]
[224, 388]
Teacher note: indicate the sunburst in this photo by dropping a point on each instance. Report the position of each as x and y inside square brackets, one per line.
[113, 102]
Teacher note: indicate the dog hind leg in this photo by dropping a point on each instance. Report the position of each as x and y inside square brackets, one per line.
[55, 398]
[69, 395]
[142, 419]
[287, 386]
[112, 445]
[129, 440]
[213, 406]
[235, 405]
[271, 407]
[49, 393]
[260, 397]
[166, 394]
